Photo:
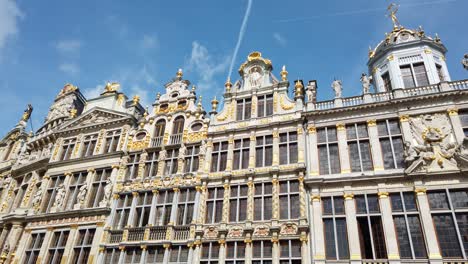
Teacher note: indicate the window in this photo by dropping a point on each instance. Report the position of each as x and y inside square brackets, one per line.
[244, 109]
[34, 247]
[289, 199]
[179, 254]
[177, 130]
[235, 252]
[124, 204]
[359, 148]
[238, 203]
[214, 205]
[264, 151]
[21, 191]
[57, 247]
[151, 164]
[219, 156]
[414, 75]
[241, 154]
[371, 236]
[263, 201]
[89, 144]
[112, 141]
[171, 162]
[132, 167]
[209, 253]
[164, 207]
[391, 143]
[334, 225]
[83, 246]
[67, 148]
[191, 158]
[55, 183]
[76, 182]
[408, 226]
[464, 121]
[262, 252]
[142, 209]
[159, 129]
[329, 155]
[387, 83]
[440, 72]
[448, 208]
[265, 105]
[111, 255]
[132, 255]
[185, 206]
[97, 187]
[290, 252]
[288, 147]
[154, 255]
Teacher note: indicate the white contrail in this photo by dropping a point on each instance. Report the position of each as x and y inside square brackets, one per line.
[241, 35]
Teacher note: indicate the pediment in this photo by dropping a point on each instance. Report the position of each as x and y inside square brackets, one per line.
[96, 117]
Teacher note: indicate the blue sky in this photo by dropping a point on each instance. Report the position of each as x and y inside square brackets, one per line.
[141, 44]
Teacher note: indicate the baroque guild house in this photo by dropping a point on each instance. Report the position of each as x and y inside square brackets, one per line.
[270, 178]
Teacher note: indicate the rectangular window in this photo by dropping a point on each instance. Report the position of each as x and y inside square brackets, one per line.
[34, 247]
[265, 105]
[244, 109]
[387, 83]
[371, 236]
[178, 254]
[288, 147]
[112, 141]
[132, 167]
[122, 211]
[391, 143]
[142, 209]
[185, 206]
[464, 121]
[154, 255]
[77, 181]
[264, 151]
[238, 203]
[241, 154]
[89, 144]
[263, 201]
[448, 209]
[111, 256]
[336, 232]
[97, 188]
[290, 251]
[57, 247]
[171, 162]
[329, 155]
[83, 245]
[67, 148]
[219, 156]
[440, 72]
[49, 199]
[209, 253]
[164, 207]
[151, 164]
[360, 155]
[414, 75]
[235, 252]
[408, 226]
[132, 255]
[191, 158]
[214, 205]
[262, 252]
[289, 199]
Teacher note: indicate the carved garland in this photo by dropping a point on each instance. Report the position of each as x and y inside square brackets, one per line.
[284, 105]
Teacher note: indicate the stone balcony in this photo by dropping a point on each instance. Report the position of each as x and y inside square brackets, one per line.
[152, 234]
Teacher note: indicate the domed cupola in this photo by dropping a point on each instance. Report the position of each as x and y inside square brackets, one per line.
[407, 58]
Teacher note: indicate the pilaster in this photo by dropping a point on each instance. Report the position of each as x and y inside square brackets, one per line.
[351, 224]
[343, 148]
[313, 158]
[250, 200]
[227, 195]
[300, 143]
[230, 153]
[69, 244]
[275, 250]
[376, 150]
[252, 150]
[317, 229]
[456, 124]
[405, 128]
[248, 251]
[275, 160]
[389, 228]
[222, 251]
[275, 197]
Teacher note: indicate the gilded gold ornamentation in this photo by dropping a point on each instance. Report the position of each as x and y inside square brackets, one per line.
[452, 111]
[348, 196]
[254, 56]
[420, 191]
[311, 129]
[285, 105]
[28, 194]
[315, 198]
[371, 122]
[300, 130]
[382, 195]
[404, 118]
[57, 148]
[284, 74]
[390, 58]
[340, 126]
[275, 101]
[139, 145]
[427, 51]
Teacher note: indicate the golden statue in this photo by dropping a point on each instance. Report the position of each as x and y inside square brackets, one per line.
[111, 87]
[392, 10]
[27, 113]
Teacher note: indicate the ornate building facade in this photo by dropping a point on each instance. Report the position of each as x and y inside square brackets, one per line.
[270, 178]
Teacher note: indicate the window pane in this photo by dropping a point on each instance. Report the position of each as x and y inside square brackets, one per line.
[438, 200]
[447, 236]
[330, 249]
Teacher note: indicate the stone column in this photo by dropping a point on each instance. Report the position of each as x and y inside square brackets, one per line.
[405, 128]
[389, 228]
[89, 183]
[395, 73]
[250, 200]
[175, 200]
[456, 124]
[4, 235]
[95, 244]
[300, 143]
[109, 219]
[196, 207]
[317, 225]
[222, 251]
[141, 165]
[313, 158]
[23, 243]
[45, 244]
[152, 216]
[227, 195]
[377, 157]
[143, 253]
[343, 148]
[70, 243]
[430, 66]
[209, 149]
[275, 250]
[230, 154]
[196, 252]
[305, 254]
[248, 251]
[161, 163]
[100, 141]
[428, 226]
[44, 184]
[14, 240]
[252, 150]
[131, 215]
[253, 110]
[123, 138]
[275, 198]
[122, 255]
[202, 210]
[275, 147]
[302, 199]
[351, 224]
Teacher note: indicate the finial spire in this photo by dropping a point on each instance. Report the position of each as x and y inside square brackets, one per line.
[392, 10]
[228, 85]
[284, 73]
[214, 105]
[179, 73]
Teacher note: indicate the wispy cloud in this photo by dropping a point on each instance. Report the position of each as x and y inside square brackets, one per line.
[149, 42]
[9, 15]
[93, 92]
[205, 66]
[69, 68]
[279, 38]
[68, 47]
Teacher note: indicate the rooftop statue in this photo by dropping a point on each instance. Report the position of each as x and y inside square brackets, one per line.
[465, 61]
[337, 88]
[366, 82]
[392, 10]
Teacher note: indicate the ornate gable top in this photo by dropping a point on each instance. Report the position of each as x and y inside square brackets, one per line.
[255, 56]
[94, 117]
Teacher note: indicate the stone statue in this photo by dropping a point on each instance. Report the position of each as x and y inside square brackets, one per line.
[465, 61]
[6, 183]
[337, 88]
[202, 148]
[182, 151]
[311, 92]
[60, 196]
[255, 77]
[410, 153]
[61, 108]
[107, 193]
[5, 250]
[366, 82]
[36, 201]
[162, 154]
[82, 194]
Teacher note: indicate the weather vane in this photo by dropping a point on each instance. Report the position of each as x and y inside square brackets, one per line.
[392, 10]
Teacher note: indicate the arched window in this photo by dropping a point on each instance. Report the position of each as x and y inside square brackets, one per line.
[178, 125]
[159, 129]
